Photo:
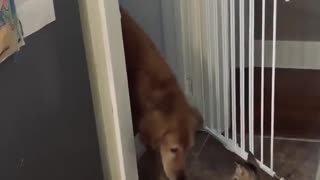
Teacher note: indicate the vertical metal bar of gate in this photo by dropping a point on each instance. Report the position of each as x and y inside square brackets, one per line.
[251, 76]
[233, 71]
[225, 64]
[216, 62]
[222, 23]
[196, 57]
[262, 79]
[274, 37]
[210, 67]
[242, 73]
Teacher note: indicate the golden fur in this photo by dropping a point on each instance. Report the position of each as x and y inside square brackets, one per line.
[160, 111]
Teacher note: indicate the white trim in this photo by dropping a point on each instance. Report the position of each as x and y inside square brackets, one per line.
[279, 138]
[102, 27]
[291, 54]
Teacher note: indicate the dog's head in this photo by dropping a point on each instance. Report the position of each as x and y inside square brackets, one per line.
[172, 134]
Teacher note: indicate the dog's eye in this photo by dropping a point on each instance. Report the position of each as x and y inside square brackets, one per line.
[174, 150]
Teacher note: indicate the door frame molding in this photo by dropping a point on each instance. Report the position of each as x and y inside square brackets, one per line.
[102, 34]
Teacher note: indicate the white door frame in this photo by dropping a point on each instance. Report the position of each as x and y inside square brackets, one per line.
[106, 63]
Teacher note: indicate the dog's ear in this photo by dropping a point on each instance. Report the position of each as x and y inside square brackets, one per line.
[153, 128]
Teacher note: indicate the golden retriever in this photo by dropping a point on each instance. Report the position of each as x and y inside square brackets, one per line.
[160, 111]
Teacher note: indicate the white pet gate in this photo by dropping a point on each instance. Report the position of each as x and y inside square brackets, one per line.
[216, 37]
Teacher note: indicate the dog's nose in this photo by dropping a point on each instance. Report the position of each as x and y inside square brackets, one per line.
[181, 176]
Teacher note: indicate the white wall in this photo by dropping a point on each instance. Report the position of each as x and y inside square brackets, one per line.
[148, 14]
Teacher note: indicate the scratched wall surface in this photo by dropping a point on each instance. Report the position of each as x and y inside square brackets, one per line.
[47, 128]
